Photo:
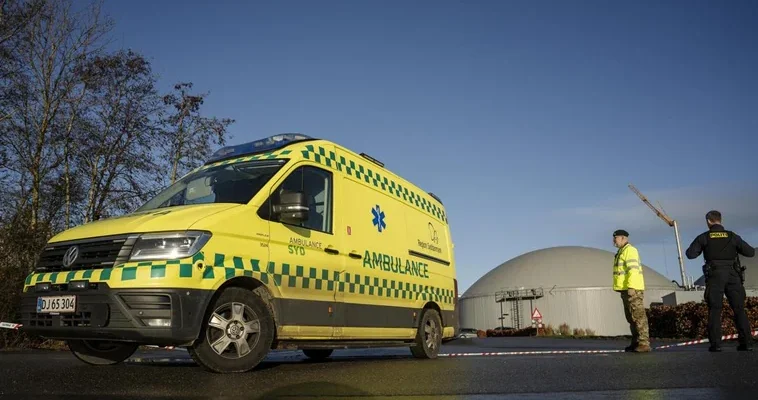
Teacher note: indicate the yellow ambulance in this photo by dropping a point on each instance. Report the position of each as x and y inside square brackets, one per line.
[287, 242]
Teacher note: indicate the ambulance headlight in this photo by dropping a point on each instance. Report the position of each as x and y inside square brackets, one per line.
[168, 246]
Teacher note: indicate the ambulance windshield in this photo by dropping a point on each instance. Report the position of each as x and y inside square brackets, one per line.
[230, 183]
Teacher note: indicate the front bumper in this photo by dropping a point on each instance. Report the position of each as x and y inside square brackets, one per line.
[103, 313]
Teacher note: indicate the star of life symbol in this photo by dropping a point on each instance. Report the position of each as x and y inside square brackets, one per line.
[70, 256]
[378, 218]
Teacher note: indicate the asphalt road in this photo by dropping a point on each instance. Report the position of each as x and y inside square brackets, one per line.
[678, 373]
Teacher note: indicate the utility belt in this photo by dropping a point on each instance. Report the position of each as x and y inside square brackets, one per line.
[709, 267]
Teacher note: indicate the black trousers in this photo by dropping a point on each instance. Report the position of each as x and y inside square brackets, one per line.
[721, 281]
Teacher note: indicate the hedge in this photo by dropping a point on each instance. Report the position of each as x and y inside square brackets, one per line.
[690, 320]
[530, 331]
[683, 321]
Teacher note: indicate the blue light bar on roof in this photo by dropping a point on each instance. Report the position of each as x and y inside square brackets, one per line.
[259, 146]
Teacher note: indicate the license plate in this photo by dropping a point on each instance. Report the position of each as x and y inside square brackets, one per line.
[56, 304]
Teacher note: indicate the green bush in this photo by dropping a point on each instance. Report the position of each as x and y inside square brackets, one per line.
[530, 331]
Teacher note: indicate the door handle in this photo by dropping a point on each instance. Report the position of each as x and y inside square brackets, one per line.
[331, 250]
[355, 255]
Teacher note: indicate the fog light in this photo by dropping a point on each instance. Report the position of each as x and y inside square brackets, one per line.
[157, 322]
[78, 285]
[42, 287]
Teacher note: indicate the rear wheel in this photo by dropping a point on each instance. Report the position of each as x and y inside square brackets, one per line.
[237, 333]
[317, 354]
[100, 352]
[429, 335]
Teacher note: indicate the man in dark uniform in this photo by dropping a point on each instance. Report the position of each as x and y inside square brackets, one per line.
[723, 275]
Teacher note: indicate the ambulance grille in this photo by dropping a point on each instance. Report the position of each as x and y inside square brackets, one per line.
[93, 254]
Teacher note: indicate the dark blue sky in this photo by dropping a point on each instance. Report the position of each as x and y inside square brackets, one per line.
[564, 104]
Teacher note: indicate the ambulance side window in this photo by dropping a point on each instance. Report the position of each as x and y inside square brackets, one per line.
[316, 184]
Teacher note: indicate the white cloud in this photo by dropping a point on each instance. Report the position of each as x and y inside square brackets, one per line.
[687, 205]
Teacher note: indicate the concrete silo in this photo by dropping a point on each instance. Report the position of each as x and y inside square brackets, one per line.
[571, 285]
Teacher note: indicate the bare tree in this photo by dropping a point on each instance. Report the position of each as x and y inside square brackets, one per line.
[14, 17]
[190, 135]
[119, 133]
[83, 132]
[49, 48]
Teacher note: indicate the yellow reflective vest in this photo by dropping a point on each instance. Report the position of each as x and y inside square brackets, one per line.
[627, 269]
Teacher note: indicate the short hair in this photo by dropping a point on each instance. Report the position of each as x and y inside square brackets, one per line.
[713, 215]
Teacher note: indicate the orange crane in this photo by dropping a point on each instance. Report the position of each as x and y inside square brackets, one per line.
[670, 222]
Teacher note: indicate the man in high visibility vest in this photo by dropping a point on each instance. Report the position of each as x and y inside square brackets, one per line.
[629, 281]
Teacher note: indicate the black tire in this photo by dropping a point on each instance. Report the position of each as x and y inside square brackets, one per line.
[238, 309]
[318, 354]
[100, 352]
[428, 336]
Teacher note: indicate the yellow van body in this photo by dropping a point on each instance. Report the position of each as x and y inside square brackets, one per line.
[369, 254]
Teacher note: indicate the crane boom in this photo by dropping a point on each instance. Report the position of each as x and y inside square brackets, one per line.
[657, 212]
[669, 222]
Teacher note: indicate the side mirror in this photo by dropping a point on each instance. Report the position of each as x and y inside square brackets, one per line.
[292, 207]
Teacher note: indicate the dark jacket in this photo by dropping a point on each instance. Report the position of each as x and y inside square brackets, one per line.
[719, 247]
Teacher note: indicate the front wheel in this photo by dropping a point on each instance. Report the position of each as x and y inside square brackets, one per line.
[99, 352]
[237, 333]
[429, 335]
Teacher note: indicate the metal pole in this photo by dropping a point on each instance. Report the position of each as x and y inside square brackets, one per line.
[679, 254]
[502, 316]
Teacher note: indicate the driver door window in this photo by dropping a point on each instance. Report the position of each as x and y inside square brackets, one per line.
[316, 184]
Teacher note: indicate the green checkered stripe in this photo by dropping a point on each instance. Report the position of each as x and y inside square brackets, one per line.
[277, 274]
[126, 272]
[359, 171]
[301, 277]
[390, 288]
[321, 279]
[270, 155]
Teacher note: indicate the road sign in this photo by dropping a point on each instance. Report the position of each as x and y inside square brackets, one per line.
[536, 314]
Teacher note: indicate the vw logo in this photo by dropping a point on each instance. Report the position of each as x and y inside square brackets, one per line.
[70, 256]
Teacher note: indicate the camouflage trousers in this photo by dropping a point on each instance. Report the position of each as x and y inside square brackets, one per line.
[634, 308]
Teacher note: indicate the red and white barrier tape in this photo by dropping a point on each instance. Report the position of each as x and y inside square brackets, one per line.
[694, 342]
[8, 325]
[520, 353]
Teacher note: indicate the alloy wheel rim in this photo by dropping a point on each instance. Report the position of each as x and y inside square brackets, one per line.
[430, 333]
[234, 330]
